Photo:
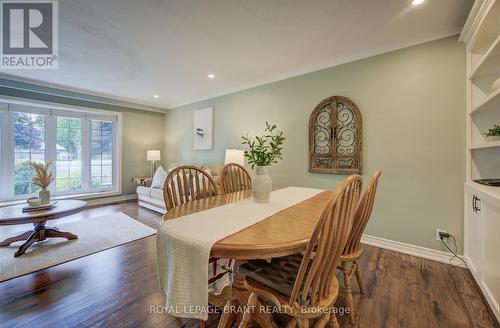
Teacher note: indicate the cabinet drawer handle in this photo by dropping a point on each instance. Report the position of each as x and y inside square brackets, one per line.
[475, 208]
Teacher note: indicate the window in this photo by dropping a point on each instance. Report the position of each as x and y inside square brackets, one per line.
[83, 147]
[68, 154]
[29, 145]
[101, 154]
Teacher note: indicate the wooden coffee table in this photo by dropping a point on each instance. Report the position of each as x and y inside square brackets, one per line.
[11, 215]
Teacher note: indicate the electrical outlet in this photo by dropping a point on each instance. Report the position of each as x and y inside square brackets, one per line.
[437, 234]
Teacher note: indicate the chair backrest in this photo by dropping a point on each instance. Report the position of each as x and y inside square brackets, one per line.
[317, 270]
[186, 183]
[362, 215]
[235, 178]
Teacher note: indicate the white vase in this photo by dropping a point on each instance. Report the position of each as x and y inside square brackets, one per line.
[261, 185]
[44, 195]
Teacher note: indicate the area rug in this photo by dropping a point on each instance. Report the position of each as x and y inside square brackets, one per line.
[94, 235]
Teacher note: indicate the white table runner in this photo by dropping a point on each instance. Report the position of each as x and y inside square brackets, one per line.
[183, 246]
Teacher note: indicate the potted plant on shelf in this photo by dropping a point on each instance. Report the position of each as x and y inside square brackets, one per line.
[43, 178]
[493, 133]
[264, 151]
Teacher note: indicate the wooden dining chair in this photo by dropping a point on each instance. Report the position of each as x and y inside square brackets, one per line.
[353, 249]
[235, 178]
[187, 183]
[304, 286]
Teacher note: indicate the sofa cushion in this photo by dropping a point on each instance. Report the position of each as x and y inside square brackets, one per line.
[146, 191]
[157, 194]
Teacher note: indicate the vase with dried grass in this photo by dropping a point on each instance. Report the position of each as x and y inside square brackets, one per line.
[43, 178]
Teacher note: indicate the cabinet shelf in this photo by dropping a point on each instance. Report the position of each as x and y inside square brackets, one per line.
[485, 145]
[490, 103]
[490, 62]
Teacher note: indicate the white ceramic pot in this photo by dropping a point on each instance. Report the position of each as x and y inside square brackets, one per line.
[261, 185]
[44, 195]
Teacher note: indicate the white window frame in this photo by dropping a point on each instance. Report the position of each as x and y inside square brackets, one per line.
[86, 114]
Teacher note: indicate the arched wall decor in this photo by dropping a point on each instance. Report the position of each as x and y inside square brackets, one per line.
[335, 128]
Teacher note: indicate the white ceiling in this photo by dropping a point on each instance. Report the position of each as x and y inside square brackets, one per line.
[130, 49]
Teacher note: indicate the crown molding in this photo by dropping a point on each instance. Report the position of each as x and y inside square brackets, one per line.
[9, 83]
[477, 12]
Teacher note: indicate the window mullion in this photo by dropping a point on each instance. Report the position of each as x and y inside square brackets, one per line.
[50, 148]
[85, 155]
[7, 158]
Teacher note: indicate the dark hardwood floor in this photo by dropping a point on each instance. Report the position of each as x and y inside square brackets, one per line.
[118, 288]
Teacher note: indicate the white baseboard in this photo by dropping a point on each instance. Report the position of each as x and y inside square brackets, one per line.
[110, 200]
[419, 251]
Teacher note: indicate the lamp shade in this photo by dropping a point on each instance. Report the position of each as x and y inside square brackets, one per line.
[153, 155]
[235, 156]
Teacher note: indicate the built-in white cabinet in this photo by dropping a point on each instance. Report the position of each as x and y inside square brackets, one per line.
[482, 241]
[490, 254]
[472, 242]
[482, 203]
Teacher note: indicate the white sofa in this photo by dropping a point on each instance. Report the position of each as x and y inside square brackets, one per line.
[152, 198]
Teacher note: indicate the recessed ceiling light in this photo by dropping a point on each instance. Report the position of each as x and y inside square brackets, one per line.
[156, 96]
[211, 76]
[417, 2]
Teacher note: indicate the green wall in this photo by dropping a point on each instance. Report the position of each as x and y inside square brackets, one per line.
[413, 104]
[141, 131]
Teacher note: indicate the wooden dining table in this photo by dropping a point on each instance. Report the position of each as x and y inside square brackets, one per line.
[284, 233]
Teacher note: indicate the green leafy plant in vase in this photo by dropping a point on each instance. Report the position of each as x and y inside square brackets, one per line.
[43, 178]
[493, 133]
[263, 151]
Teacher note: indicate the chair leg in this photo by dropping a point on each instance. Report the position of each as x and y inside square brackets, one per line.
[333, 323]
[359, 279]
[247, 315]
[322, 321]
[214, 268]
[292, 323]
[348, 291]
[303, 323]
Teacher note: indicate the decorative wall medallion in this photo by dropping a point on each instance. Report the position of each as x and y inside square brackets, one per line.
[335, 128]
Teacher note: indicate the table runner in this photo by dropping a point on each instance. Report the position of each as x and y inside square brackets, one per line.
[183, 246]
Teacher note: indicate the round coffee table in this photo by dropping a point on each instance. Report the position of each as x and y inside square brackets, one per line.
[11, 215]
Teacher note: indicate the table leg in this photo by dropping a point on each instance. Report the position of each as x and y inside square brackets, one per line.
[54, 233]
[239, 298]
[233, 312]
[34, 237]
[39, 233]
[20, 237]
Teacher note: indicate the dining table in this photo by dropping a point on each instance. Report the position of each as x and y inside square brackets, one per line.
[284, 233]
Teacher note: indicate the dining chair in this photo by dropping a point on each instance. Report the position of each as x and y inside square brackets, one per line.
[235, 178]
[304, 286]
[353, 249]
[186, 183]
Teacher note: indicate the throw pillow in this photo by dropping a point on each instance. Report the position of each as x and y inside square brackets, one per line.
[159, 178]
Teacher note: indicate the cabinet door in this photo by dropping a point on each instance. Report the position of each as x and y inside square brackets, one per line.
[472, 249]
[490, 269]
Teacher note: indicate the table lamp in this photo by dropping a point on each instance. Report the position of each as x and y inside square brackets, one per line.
[153, 156]
[235, 156]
